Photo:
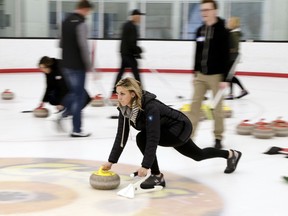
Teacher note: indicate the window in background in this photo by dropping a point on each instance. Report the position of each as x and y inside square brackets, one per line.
[115, 14]
[53, 26]
[92, 21]
[67, 8]
[158, 21]
[95, 33]
[250, 14]
[165, 19]
[191, 20]
[11, 18]
[2, 16]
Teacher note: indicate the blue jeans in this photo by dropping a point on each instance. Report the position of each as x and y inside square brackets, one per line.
[76, 97]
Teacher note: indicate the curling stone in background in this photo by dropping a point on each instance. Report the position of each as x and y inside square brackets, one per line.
[227, 111]
[186, 109]
[98, 101]
[7, 95]
[207, 112]
[206, 109]
[263, 132]
[41, 112]
[262, 122]
[114, 99]
[280, 127]
[104, 180]
[245, 127]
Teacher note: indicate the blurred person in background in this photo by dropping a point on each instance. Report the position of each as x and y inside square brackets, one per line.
[76, 62]
[129, 49]
[56, 87]
[211, 66]
[233, 25]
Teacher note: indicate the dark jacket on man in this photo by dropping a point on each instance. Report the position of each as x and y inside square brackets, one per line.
[155, 118]
[129, 39]
[75, 51]
[212, 49]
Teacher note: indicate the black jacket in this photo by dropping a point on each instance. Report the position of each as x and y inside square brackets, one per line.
[154, 118]
[234, 36]
[212, 49]
[55, 83]
[75, 51]
[129, 39]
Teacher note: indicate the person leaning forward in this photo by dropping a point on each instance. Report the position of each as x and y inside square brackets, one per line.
[158, 125]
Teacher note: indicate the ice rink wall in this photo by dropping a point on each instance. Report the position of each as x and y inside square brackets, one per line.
[257, 58]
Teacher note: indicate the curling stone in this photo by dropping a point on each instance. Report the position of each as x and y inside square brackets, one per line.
[281, 130]
[7, 95]
[206, 110]
[202, 115]
[114, 99]
[227, 111]
[263, 132]
[41, 112]
[262, 122]
[104, 180]
[98, 101]
[114, 102]
[186, 110]
[278, 121]
[245, 128]
[280, 127]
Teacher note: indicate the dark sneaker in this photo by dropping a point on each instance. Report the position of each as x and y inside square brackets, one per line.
[218, 144]
[233, 161]
[243, 93]
[152, 181]
[80, 134]
[229, 97]
[273, 150]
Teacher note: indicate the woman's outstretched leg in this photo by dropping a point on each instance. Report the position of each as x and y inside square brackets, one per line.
[191, 150]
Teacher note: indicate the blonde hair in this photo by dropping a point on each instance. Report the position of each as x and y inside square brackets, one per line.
[132, 85]
[234, 22]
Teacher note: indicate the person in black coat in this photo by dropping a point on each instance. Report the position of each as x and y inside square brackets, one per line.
[129, 49]
[158, 124]
[211, 67]
[56, 87]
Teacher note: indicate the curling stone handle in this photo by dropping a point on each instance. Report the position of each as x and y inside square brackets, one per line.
[134, 174]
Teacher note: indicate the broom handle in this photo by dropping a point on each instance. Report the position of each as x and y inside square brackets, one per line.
[221, 92]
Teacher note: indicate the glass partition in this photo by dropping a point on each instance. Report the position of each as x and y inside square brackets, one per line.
[115, 14]
[164, 20]
[159, 21]
[250, 14]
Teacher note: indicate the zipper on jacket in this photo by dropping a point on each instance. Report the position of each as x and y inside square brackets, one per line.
[208, 34]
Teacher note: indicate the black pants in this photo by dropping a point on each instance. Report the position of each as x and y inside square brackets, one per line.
[234, 80]
[128, 61]
[189, 149]
[53, 98]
